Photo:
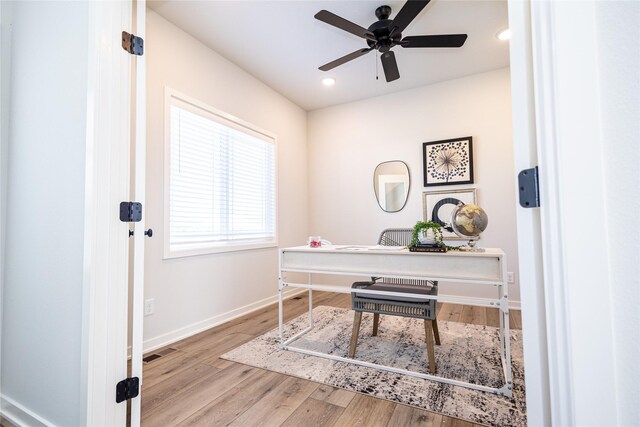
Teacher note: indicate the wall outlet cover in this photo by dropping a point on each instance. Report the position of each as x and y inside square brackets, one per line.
[149, 307]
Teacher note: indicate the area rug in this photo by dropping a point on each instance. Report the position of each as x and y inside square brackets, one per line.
[468, 353]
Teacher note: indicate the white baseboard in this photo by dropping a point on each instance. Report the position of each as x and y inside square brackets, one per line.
[19, 415]
[201, 326]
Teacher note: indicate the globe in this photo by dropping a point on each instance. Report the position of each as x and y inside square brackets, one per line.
[469, 221]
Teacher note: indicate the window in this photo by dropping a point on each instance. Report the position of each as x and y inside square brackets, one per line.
[221, 191]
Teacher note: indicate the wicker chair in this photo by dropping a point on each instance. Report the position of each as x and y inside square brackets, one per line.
[394, 305]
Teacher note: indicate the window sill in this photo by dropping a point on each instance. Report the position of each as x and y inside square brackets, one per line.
[195, 250]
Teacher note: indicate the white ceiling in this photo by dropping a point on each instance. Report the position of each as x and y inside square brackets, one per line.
[282, 44]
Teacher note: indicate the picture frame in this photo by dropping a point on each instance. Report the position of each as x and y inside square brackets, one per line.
[438, 205]
[448, 162]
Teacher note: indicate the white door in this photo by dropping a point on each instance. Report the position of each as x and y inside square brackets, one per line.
[106, 236]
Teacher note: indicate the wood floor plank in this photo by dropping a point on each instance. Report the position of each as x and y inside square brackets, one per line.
[333, 395]
[313, 412]
[366, 411]
[474, 315]
[5, 422]
[407, 416]
[221, 345]
[156, 395]
[219, 363]
[232, 404]
[183, 404]
[515, 319]
[160, 369]
[455, 422]
[493, 317]
[275, 407]
[450, 312]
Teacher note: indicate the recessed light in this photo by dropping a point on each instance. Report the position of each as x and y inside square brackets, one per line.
[504, 34]
[328, 81]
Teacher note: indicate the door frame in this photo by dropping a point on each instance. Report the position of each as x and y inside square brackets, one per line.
[545, 111]
[140, 149]
[554, 71]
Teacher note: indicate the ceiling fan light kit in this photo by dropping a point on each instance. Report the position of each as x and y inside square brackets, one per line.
[386, 33]
[328, 81]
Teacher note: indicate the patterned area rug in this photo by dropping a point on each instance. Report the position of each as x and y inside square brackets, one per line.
[468, 353]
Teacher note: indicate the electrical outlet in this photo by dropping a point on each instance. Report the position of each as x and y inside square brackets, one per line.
[148, 307]
[510, 278]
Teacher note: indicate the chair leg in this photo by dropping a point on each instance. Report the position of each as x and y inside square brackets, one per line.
[357, 318]
[436, 334]
[376, 320]
[428, 332]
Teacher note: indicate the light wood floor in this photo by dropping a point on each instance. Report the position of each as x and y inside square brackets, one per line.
[191, 385]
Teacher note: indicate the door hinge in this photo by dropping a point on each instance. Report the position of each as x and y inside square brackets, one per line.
[132, 43]
[528, 186]
[130, 211]
[127, 389]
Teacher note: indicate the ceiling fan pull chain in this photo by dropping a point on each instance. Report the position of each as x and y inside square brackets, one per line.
[376, 61]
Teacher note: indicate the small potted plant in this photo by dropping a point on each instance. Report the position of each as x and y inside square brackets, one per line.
[427, 233]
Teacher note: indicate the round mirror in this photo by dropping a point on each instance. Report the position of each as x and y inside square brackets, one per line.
[391, 185]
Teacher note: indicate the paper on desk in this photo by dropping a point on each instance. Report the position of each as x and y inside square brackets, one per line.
[387, 248]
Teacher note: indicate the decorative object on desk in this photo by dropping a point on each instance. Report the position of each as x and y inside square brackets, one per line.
[468, 352]
[428, 248]
[439, 205]
[391, 184]
[426, 233]
[317, 241]
[468, 222]
[448, 162]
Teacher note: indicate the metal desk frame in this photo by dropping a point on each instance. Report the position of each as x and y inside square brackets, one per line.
[351, 269]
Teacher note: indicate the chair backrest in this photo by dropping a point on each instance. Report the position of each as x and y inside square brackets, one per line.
[400, 237]
[395, 237]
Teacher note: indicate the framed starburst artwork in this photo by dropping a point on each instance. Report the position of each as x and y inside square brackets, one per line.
[448, 162]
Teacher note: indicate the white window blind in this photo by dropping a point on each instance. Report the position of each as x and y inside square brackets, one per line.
[221, 181]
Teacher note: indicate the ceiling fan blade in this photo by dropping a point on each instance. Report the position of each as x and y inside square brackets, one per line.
[443, 40]
[343, 24]
[409, 11]
[390, 66]
[346, 58]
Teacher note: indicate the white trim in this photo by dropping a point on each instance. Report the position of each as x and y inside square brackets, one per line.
[140, 146]
[6, 21]
[531, 284]
[575, 264]
[201, 326]
[209, 248]
[199, 107]
[20, 415]
[556, 304]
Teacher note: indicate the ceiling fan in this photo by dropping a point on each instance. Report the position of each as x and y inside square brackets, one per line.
[385, 33]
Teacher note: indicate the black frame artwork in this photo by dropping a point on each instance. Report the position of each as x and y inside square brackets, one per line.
[448, 162]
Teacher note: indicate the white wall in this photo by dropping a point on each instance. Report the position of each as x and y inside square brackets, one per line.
[619, 83]
[195, 292]
[42, 296]
[347, 141]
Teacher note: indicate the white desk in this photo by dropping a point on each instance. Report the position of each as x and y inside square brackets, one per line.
[481, 268]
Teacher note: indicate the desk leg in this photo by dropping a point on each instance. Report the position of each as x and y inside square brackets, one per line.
[310, 301]
[280, 313]
[505, 340]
